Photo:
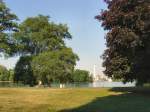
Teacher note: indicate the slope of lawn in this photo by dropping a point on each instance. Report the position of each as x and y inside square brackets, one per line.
[74, 100]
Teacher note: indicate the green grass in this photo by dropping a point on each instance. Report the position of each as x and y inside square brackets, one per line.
[74, 100]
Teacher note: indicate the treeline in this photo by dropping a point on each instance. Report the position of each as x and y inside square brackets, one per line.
[79, 76]
[40, 43]
[6, 75]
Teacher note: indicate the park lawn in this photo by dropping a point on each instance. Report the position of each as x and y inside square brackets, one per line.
[74, 100]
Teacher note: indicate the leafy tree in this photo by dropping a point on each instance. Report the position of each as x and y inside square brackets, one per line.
[4, 74]
[127, 54]
[23, 71]
[81, 76]
[54, 66]
[7, 26]
[37, 34]
[40, 39]
[11, 74]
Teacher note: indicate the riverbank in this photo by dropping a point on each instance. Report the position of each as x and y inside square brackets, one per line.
[74, 100]
[74, 85]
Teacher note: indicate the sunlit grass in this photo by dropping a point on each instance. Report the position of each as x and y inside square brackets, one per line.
[69, 100]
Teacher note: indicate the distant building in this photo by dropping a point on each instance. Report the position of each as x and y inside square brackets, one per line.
[95, 76]
[100, 76]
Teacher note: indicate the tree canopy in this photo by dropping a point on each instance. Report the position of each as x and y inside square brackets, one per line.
[37, 34]
[7, 26]
[127, 54]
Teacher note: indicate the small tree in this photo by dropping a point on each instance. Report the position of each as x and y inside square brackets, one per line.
[81, 76]
[11, 74]
[4, 74]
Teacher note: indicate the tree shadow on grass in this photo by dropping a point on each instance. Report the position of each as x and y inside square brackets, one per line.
[132, 100]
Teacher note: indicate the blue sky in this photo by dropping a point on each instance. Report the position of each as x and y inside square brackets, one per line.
[88, 35]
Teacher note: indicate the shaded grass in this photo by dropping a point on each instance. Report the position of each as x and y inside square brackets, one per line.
[74, 100]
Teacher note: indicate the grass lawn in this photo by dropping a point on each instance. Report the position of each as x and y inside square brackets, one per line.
[74, 100]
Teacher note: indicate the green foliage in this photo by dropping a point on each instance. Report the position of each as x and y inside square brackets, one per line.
[54, 66]
[7, 26]
[11, 75]
[37, 34]
[81, 76]
[127, 54]
[4, 74]
[23, 71]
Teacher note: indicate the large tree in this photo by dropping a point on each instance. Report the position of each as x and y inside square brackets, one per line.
[43, 40]
[128, 43]
[7, 26]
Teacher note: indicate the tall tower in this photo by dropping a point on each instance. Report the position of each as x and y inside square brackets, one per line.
[95, 78]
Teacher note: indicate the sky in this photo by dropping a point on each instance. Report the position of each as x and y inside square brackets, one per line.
[88, 35]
